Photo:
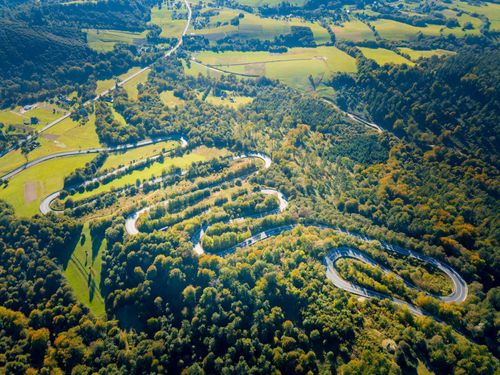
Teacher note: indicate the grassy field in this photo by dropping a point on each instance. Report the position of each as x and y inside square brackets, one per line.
[12, 117]
[44, 112]
[271, 3]
[105, 40]
[155, 170]
[163, 18]
[65, 136]
[354, 30]
[384, 56]
[106, 84]
[292, 67]
[254, 27]
[394, 30]
[25, 190]
[168, 99]
[131, 86]
[490, 10]
[118, 159]
[416, 54]
[232, 101]
[83, 271]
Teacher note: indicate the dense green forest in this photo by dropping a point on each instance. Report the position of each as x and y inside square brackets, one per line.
[398, 154]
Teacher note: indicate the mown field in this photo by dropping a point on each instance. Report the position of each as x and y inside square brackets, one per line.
[131, 86]
[118, 159]
[394, 30]
[106, 84]
[44, 112]
[417, 54]
[83, 271]
[293, 67]
[384, 56]
[67, 135]
[170, 100]
[490, 10]
[105, 40]
[25, 190]
[233, 101]
[354, 30]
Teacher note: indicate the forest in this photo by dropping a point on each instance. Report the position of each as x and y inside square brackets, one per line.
[207, 252]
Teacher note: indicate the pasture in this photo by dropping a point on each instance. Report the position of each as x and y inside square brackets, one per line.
[83, 271]
[487, 9]
[384, 56]
[395, 31]
[131, 86]
[117, 159]
[106, 84]
[233, 101]
[105, 40]
[65, 136]
[417, 54]
[354, 30]
[25, 190]
[293, 67]
[170, 100]
[44, 112]
[170, 28]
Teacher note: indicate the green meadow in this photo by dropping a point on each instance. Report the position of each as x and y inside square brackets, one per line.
[394, 30]
[25, 190]
[293, 67]
[170, 100]
[490, 10]
[117, 159]
[83, 271]
[105, 40]
[384, 56]
[163, 18]
[233, 101]
[417, 54]
[131, 86]
[67, 135]
[354, 30]
[106, 84]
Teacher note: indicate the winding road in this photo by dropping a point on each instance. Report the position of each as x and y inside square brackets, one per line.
[131, 221]
[45, 203]
[458, 295]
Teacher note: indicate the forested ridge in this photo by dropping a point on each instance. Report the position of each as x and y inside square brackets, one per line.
[44, 52]
[451, 102]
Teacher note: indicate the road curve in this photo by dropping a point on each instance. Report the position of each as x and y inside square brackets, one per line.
[58, 155]
[131, 221]
[458, 295]
[45, 203]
